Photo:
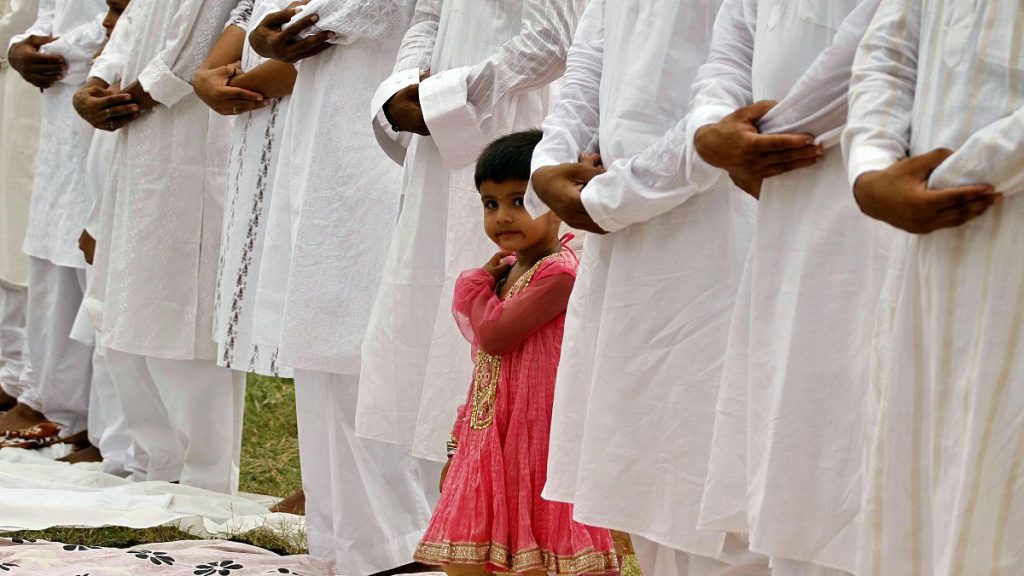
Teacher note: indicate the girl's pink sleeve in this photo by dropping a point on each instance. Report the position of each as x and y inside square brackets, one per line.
[496, 326]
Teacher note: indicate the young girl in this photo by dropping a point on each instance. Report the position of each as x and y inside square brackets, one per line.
[491, 517]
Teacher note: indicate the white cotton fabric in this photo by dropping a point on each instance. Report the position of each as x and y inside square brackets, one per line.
[647, 322]
[491, 64]
[20, 111]
[335, 201]
[13, 352]
[60, 198]
[156, 257]
[252, 169]
[793, 396]
[946, 447]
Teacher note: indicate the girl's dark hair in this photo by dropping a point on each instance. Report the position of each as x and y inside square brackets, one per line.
[508, 158]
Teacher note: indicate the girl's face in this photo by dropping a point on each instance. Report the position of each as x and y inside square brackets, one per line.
[507, 222]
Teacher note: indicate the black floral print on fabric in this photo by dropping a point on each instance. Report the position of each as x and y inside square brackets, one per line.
[6, 566]
[222, 568]
[80, 547]
[284, 571]
[158, 558]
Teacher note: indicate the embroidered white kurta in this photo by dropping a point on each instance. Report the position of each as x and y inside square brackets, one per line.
[786, 458]
[647, 323]
[335, 196]
[252, 167]
[944, 484]
[156, 259]
[20, 111]
[491, 64]
[61, 200]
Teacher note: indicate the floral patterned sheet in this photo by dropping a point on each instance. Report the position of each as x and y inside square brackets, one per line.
[187, 558]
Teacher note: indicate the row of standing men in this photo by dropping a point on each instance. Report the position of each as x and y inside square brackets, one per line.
[786, 382]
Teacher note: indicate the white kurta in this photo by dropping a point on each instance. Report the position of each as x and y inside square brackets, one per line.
[61, 200]
[491, 63]
[20, 111]
[335, 196]
[946, 450]
[252, 168]
[647, 322]
[156, 259]
[792, 400]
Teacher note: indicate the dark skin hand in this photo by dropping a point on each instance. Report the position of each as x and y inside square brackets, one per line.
[735, 145]
[404, 112]
[87, 244]
[104, 108]
[271, 40]
[212, 86]
[40, 70]
[140, 96]
[561, 188]
[900, 196]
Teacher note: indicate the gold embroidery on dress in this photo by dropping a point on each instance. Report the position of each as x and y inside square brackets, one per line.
[487, 371]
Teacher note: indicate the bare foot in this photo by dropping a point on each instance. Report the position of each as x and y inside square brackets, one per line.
[7, 401]
[19, 418]
[294, 504]
[88, 454]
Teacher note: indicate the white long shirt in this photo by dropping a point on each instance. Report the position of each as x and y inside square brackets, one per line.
[20, 104]
[156, 259]
[491, 63]
[792, 398]
[648, 320]
[946, 450]
[60, 198]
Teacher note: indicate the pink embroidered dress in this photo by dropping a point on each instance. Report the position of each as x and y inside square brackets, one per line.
[491, 512]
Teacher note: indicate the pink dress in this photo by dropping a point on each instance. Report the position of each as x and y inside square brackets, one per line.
[491, 512]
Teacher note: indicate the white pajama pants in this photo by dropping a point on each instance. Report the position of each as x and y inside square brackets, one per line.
[61, 366]
[13, 356]
[368, 503]
[736, 560]
[184, 418]
[787, 567]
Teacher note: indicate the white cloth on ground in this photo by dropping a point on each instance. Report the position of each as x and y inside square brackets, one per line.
[13, 353]
[946, 445]
[60, 198]
[184, 418]
[647, 322]
[159, 238]
[787, 567]
[20, 112]
[491, 65]
[793, 398]
[61, 367]
[735, 560]
[366, 504]
[252, 168]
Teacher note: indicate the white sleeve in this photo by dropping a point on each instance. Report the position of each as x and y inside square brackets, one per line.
[354, 20]
[17, 18]
[78, 47]
[819, 102]
[414, 56]
[194, 30]
[43, 25]
[882, 90]
[723, 84]
[573, 125]
[993, 155]
[459, 105]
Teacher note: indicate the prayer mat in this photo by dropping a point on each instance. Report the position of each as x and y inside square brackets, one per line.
[38, 436]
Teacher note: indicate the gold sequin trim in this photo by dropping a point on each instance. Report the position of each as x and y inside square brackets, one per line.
[588, 561]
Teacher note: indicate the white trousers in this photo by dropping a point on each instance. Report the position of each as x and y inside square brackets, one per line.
[736, 560]
[368, 503]
[787, 567]
[184, 418]
[61, 366]
[13, 356]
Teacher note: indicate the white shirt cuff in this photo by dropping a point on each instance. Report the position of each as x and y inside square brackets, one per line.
[449, 116]
[866, 158]
[699, 173]
[596, 209]
[535, 207]
[393, 143]
[162, 85]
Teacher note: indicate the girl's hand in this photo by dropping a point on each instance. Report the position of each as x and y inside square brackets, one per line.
[444, 474]
[496, 266]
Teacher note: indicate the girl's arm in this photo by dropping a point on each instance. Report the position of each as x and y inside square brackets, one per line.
[497, 326]
[273, 79]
